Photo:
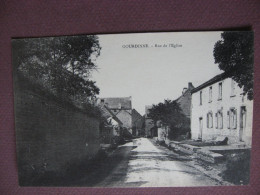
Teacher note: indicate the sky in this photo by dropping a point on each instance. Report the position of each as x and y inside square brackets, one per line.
[152, 74]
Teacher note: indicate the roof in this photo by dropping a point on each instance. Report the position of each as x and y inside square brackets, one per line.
[106, 112]
[215, 79]
[187, 91]
[135, 116]
[118, 102]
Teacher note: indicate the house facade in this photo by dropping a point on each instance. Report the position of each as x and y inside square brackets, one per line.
[220, 109]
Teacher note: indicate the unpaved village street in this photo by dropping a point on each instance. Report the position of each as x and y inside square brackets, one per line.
[142, 163]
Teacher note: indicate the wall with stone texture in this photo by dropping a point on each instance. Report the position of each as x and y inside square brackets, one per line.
[50, 134]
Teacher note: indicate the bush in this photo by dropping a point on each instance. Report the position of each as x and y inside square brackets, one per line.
[238, 168]
[179, 134]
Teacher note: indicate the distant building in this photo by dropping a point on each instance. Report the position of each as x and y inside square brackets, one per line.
[185, 100]
[221, 109]
[149, 123]
[121, 108]
[185, 104]
[112, 124]
[137, 123]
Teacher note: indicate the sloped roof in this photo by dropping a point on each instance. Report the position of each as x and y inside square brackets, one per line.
[135, 116]
[118, 102]
[215, 79]
[187, 92]
[106, 112]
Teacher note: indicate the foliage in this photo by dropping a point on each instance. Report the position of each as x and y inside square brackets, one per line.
[234, 55]
[170, 114]
[63, 64]
[237, 168]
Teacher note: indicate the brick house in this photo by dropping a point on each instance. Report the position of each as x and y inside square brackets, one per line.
[221, 109]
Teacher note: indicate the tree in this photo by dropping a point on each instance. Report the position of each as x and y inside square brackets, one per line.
[61, 63]
[170, 114]
[234, 54]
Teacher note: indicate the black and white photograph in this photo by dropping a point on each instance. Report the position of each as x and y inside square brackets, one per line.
[160, 109]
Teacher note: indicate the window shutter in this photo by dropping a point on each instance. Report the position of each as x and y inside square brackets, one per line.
[235, 119]
[208, 120]
[228, 120]
[216, 121]
[221, 120]
[211, 120]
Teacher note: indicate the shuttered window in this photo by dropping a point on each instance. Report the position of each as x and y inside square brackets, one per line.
[209, 120]
[233, 118]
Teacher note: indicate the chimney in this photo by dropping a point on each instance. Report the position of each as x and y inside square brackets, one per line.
[190, 86]
[184, 90]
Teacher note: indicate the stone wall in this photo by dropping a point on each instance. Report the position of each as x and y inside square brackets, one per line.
[50, 134]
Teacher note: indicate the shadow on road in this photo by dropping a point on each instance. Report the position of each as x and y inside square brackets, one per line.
[90, 173]
[95, 174]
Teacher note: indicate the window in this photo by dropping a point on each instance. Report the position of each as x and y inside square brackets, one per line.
[216, 120]
[233, 118]
[200, 97]
[220, 91]
[232, 87]
[219, 120]
[200, 128]
[243, 117]
[228, 120]
[209, 120]
[210, 94]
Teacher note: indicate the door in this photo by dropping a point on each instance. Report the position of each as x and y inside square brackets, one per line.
[200, 128]
[242, 122]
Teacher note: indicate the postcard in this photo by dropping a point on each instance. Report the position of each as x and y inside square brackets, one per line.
[166, 109]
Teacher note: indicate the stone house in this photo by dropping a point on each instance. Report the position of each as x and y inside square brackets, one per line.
[185, 100]
[185, 104]
[149, 123]
[137, 123]
[112, 125]
[221, 109]
[121, 107]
